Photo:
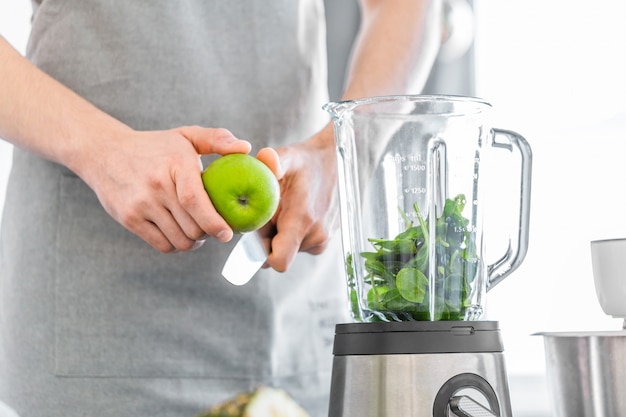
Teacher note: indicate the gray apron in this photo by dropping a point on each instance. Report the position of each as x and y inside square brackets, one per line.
[93, 321]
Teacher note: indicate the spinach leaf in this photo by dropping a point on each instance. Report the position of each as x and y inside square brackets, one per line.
[412, 284]
[398, 270]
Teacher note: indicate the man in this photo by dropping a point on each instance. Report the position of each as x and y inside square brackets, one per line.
[109, 112]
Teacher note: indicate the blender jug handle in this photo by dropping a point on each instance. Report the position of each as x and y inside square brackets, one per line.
[518, 243]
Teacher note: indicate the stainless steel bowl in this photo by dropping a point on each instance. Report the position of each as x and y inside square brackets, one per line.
[586, 373]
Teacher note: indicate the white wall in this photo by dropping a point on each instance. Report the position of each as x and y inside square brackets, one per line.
[14, 26]
[555, 73]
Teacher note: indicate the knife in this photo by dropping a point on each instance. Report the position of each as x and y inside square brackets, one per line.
[248, 255]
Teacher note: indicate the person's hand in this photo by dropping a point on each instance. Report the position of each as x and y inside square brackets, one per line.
[150, 182]
[307, 214]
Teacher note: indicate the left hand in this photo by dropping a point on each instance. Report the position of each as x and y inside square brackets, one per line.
[307, 214]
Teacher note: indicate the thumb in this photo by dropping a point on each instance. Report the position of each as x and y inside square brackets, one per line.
[214, 140]
[270, 158]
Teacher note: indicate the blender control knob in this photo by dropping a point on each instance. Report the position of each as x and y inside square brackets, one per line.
[453, 398]
[464, 406]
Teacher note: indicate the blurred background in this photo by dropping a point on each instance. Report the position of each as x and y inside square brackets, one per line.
[554, 73]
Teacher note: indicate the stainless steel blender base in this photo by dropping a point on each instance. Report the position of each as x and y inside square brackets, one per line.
[445, 381]
[407, 385]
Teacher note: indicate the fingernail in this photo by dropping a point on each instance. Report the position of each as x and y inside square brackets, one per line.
[198, 244]
[224, 235]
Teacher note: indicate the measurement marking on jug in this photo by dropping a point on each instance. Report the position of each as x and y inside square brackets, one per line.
[470, 228]
[415, 162]
[414, 167]
[415, 190]
[403, 158]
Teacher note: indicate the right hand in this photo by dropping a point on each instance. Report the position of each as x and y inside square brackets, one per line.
[307, 215]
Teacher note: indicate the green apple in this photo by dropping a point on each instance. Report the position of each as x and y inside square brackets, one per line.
[243, 190]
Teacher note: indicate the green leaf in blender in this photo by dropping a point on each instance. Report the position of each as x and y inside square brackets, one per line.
[375, 296]
[352, 294]
[412, 284]
[398, 270]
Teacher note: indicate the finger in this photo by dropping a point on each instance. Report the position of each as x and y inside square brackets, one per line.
[198, 244]
[187, 223]
[270, 158]
[214, 140]
[291, 229]
[286, 245]
[153, 236]
[166, 214]
[176, 207]
[137, 222]
[172, 230]
[298, 231]
[284, 250]
[316, 241]
[196, 204]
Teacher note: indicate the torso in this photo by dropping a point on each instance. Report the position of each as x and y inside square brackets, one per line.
[110, 318]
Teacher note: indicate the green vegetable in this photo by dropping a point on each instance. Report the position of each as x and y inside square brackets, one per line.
[412, 284]
[398, 270]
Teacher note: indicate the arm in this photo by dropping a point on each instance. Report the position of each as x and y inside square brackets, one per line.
[393, 54]
[395, 48]
[148, 181]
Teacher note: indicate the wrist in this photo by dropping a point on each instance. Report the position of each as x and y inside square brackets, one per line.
[88, 145]
[325, 138]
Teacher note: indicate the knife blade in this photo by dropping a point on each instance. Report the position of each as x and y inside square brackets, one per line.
[248, 255]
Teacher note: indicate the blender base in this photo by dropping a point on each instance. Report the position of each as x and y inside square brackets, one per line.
[415, 369]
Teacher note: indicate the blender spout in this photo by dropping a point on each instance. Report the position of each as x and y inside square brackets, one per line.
[337, 109]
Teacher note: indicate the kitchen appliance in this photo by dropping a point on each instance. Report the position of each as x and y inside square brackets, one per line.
[586, 370]
[609, 280]
[419, 368]
[412, 176]
[586, 373]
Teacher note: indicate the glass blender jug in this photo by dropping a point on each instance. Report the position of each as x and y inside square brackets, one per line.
[412, 197]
